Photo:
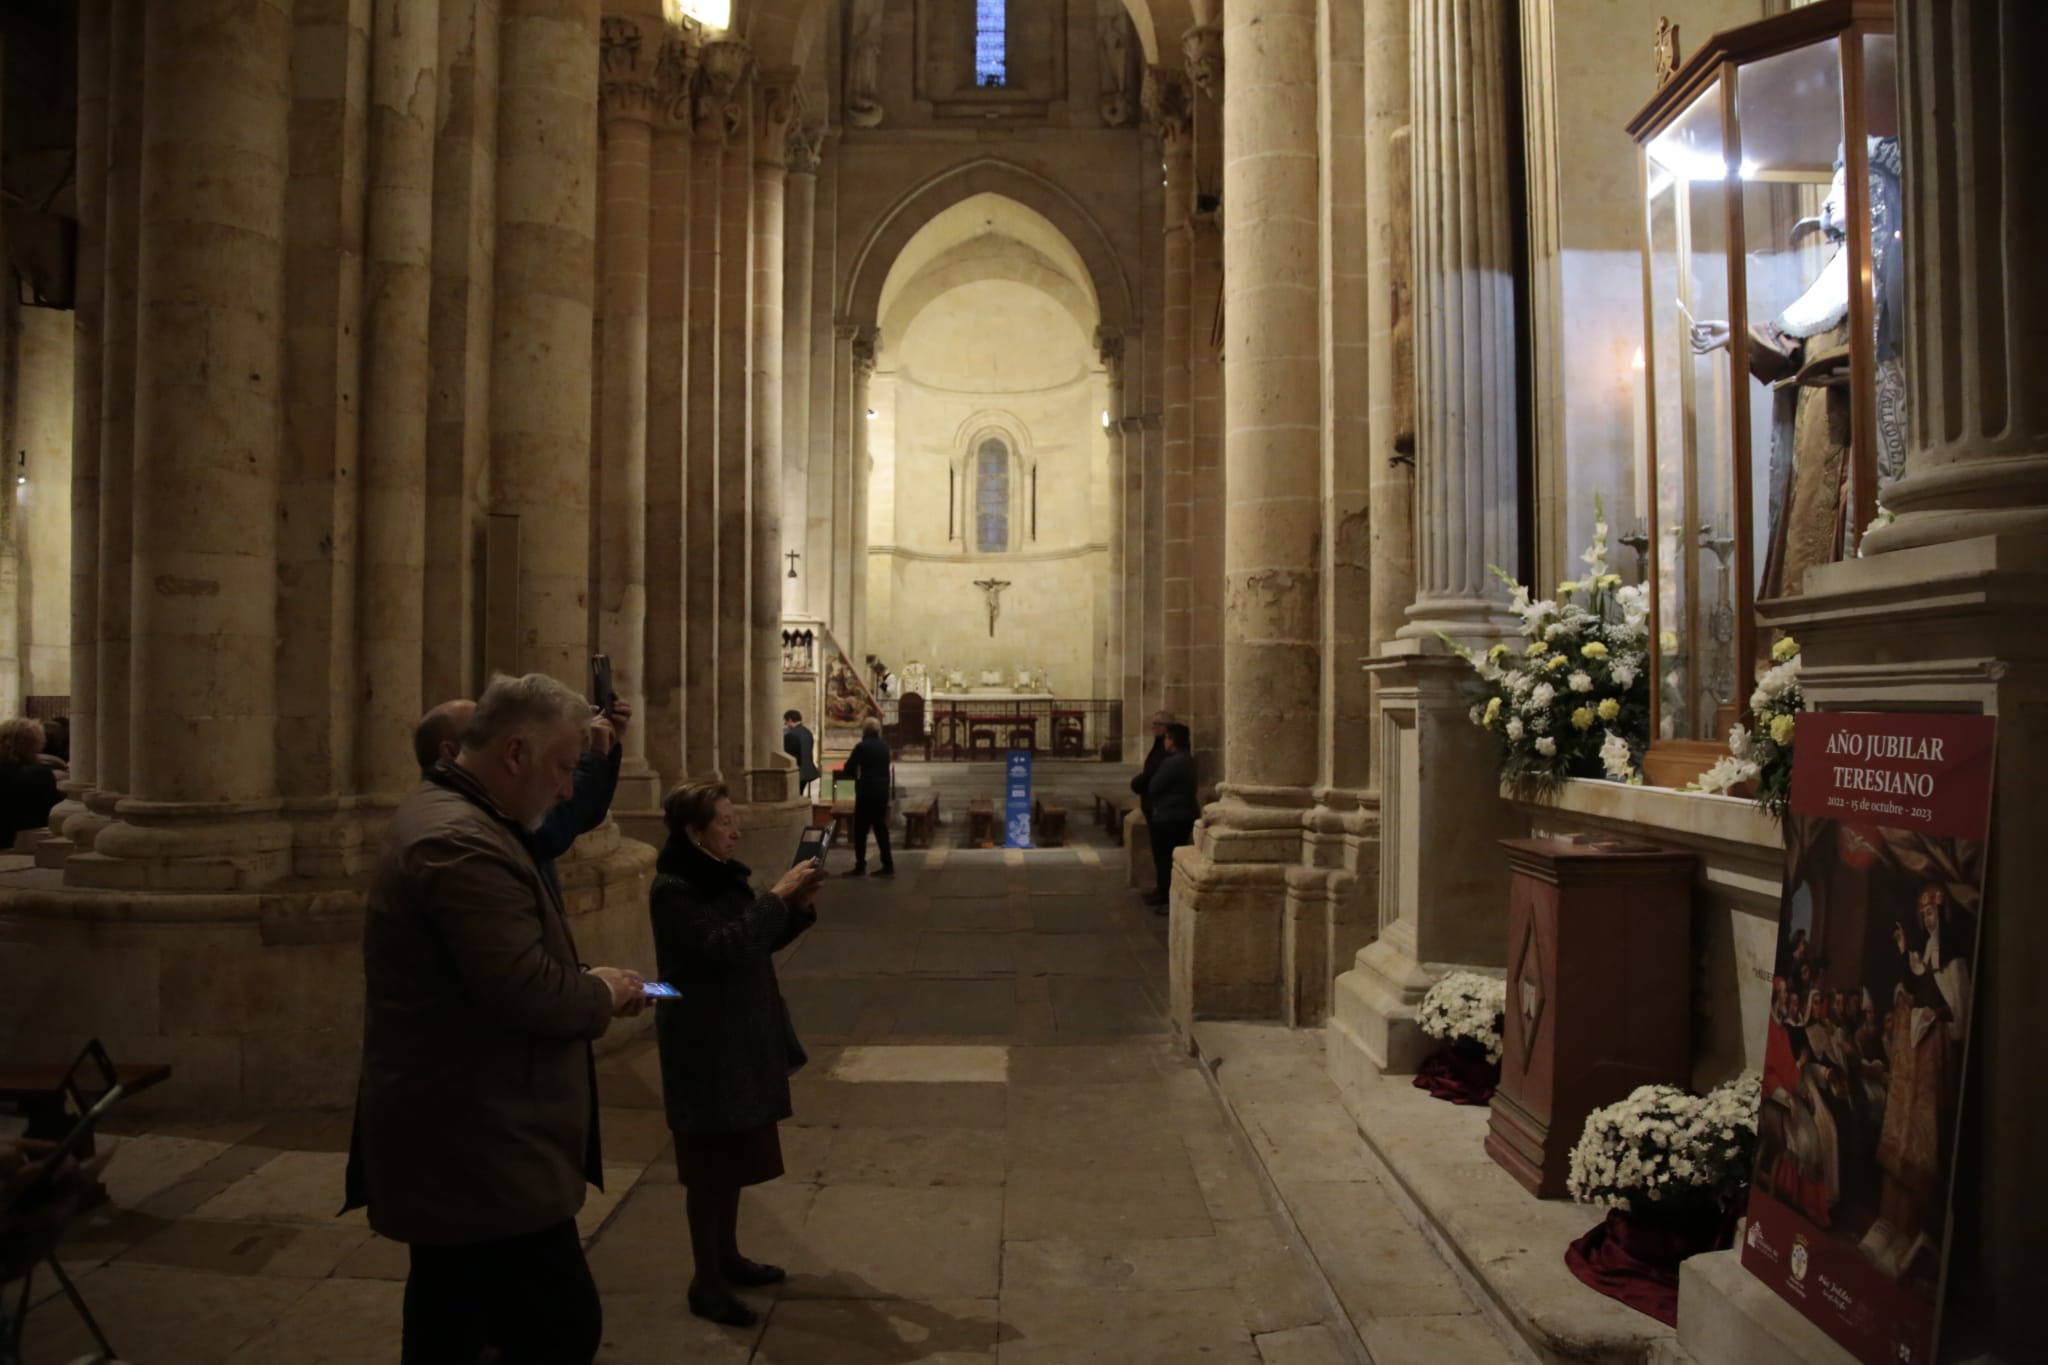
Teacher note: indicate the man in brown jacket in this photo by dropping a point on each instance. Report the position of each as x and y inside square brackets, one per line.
[476, 1116]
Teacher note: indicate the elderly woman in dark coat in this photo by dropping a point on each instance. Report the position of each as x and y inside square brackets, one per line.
[728, 1048]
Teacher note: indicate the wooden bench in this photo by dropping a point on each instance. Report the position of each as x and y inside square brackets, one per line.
[1050, 821]
[1110, 809]
[919, 818]
[981, 821]
[836, 816]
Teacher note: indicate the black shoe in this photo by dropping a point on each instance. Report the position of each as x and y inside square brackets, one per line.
[725, 1310]
[887, 871]
[859, 870]
[753, 1274]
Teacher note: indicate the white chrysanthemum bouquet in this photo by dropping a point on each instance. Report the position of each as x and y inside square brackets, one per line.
[1764, 755]
[1466, 1007]
[1663, 1149]
[1574, 700]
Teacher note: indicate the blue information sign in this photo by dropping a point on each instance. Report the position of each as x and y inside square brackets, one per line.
[1017, 799]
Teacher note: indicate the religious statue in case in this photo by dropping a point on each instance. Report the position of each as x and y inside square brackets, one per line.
[1775, 388]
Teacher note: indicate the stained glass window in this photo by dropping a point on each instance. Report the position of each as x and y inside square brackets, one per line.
[992, 497]
[991, 42]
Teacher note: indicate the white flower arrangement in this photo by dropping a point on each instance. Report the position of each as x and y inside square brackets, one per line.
[1662, 1148]
[1574, 700]
[1764, 755]
[1466, 1007]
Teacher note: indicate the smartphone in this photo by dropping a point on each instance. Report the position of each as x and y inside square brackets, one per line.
[659, 990]
[601, 694]
[812, 846]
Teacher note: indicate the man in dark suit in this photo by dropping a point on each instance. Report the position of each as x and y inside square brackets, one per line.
[868, 766]
[476, 1117]
[1142, 783]
[801, 745]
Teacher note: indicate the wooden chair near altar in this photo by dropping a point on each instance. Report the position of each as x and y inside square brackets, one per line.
[981, 741]
[1069, 733]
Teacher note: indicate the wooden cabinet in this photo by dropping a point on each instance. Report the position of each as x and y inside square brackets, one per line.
[1599, 997]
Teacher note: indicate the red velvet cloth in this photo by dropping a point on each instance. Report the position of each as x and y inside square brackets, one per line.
[1458, 1075]
[1635, 1261]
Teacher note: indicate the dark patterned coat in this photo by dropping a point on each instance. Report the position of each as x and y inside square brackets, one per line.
[728, 1047]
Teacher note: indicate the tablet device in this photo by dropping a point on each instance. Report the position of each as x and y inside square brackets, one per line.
[812, 846]
[659, 990]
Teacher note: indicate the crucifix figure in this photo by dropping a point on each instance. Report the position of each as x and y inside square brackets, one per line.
[994, 588]
[792, 556]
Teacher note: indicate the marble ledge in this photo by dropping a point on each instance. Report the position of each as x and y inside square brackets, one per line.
[1690, 819]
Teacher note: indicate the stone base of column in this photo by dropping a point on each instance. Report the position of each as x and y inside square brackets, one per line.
[769, 832]
[176, 846]
[1332, 903]
[335, 838]
[636, 805]
[1372, 1015]
[1226, 944]
[1138, 869]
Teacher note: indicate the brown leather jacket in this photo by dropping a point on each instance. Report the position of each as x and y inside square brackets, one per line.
[476, 1114]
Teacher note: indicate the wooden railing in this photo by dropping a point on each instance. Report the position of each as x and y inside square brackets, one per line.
[1056, 727]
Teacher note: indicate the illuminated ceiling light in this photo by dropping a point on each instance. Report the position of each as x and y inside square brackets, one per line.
[710, 13]
[1105, 419]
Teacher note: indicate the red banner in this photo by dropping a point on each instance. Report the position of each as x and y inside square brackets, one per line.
[1871, 1002]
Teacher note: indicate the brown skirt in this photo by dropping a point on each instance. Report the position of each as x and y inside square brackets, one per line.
[750, 1157]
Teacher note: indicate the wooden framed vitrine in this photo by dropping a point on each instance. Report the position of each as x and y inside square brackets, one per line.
[1774, 378]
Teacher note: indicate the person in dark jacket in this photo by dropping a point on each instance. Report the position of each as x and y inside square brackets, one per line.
[437, 738]
[727, 1045]
[868, 766]
[1175, 808]
[801, 745]
[1142, 783]
[476, 1114]
[28, 786]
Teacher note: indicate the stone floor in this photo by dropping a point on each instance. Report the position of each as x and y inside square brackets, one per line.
[999, 1153]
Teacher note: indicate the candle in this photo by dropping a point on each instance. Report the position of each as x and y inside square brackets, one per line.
[1639, 428]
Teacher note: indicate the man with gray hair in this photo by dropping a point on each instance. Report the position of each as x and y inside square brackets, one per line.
[476, 1113]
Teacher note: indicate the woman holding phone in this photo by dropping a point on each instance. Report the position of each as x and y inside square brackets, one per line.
[728, 1047]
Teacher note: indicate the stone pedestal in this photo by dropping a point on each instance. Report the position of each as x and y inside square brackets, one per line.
[1727, 1316]
[1445, 903]
[1599, 996]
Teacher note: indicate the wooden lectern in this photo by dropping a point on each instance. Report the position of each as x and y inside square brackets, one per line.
[1599, 993]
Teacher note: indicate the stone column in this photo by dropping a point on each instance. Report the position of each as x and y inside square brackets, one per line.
[70, 819]
[1203, 49]
[821, 569]
[397, 292]
[665, 523]
[701, 408]
[546, 274]
[865, 340]
[116, 402]
[799, 267]
[1109, 346]
[768, 765]
[201, 813]
[628, 104]
[1229, 890]
[1446, 903]
[728, 65]
[1942, 613]
[1167, 104]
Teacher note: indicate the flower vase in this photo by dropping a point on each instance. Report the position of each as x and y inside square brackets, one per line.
[1460, 1073]
[1633, 1257]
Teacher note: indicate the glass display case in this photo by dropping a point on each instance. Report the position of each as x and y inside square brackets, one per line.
[1774, 379]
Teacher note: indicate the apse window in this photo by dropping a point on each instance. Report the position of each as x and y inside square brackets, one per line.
[992, 497]
[991, 42]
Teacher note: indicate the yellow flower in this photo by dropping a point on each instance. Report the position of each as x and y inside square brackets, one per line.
[1582, 719]
[1668, 641]
[1784, 649]
[1492, 712]
[1496, 652]
[1610, 580]
[1593, 649]
[1609, 709]
[1536, 649]
[1567, 588]
[1557, 661]
[1781, 731]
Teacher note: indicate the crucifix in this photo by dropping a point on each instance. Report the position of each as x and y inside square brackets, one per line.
[994, 588]
[792, 556]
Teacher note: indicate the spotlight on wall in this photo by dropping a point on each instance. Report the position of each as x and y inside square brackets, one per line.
[710, 13]
[871, 414]
[1105, 419]
[21, 467]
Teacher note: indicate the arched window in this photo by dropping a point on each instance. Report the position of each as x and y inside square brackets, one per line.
[992, 496]
[991, 43]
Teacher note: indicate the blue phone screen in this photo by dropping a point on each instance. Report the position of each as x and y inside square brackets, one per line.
[660, 990]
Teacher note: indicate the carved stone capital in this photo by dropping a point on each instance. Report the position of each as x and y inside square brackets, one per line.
[805, 148]
[1109, 344]
[675, 72]
[626, 88]
[864, 342]
[721, 67]
[778, 100]
[1202, 46]
[1166, 101]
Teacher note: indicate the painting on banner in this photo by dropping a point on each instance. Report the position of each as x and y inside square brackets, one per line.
[1871, 1002]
